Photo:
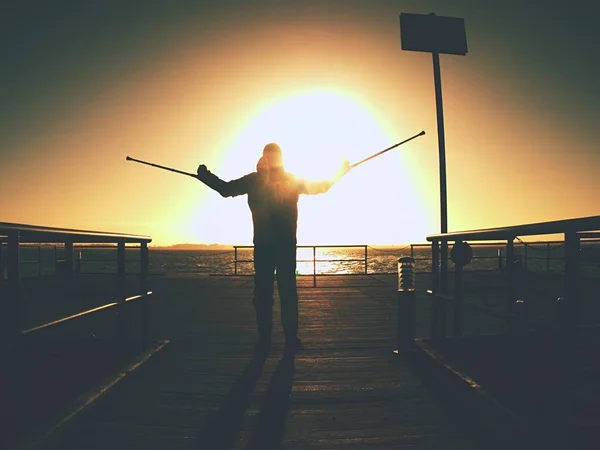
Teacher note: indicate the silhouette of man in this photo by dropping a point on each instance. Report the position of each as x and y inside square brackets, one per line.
[273, 200]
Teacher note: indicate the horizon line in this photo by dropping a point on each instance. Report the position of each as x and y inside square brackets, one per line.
[215, 244]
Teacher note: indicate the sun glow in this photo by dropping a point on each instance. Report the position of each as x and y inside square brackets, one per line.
[317, 130]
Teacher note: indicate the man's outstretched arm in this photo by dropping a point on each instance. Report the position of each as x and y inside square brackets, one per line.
[320, 187]
[225, 188]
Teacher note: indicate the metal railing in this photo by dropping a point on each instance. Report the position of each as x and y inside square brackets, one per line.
[314, 260]
[13, 236]
[526, 255]
[538, 256]
[522, 349]
[575, 232]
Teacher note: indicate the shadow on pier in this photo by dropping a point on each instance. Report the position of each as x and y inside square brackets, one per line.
[220, 431]
[208, 389]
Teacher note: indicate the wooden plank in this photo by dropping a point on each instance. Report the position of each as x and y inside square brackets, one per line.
[345, 388]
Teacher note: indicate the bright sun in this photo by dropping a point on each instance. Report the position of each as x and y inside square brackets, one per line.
[317, 130]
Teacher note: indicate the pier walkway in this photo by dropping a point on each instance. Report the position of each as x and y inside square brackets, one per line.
[205, 390]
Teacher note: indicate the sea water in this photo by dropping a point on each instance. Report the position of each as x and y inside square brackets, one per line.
[41, 260]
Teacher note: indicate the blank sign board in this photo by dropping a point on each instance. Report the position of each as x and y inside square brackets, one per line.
[434, 34]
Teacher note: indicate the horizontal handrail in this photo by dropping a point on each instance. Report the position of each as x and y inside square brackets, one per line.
[446, 297]
[36, 233]
[331, 260]
[582, 224]
[497, 243]
[314, 260]
[589, 235]
[14, 235]
[84, 313]
[451, 299]
[307, 260]
[580, 235]
[65, 319]
[313, 246]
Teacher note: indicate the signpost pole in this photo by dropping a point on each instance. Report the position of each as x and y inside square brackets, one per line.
[436, 34]
[442, 161]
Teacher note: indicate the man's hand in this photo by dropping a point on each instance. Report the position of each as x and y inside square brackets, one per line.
[345, 167]
[342, 170]
[202, 170]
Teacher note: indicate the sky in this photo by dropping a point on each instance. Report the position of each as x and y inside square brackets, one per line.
[183, 83]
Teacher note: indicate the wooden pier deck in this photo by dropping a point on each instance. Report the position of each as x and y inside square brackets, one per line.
[205, 389]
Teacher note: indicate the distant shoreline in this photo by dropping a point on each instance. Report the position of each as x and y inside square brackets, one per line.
[219, 247]
[191, 247]
[230, 246]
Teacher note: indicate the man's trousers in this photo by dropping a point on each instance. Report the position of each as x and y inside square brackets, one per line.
[268, 260]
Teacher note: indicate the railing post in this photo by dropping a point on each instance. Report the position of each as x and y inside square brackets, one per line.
[572, 245]
[510, 283]
[435, 303]
[566, 391]
[314, 266]
[39, 260]
[522, 316]
[435, 271]
[437, 310]
[144, 260]
[235, 259]
[78, 259]
[11, 326]
[461, 255]
[2, 269]
[435, 322]
[525, 256]
[547, 257]
[122, 289]
[438, 282]
[458, 270]
[69, 257]
[500, 268]
[406, 306]
[366, 262]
